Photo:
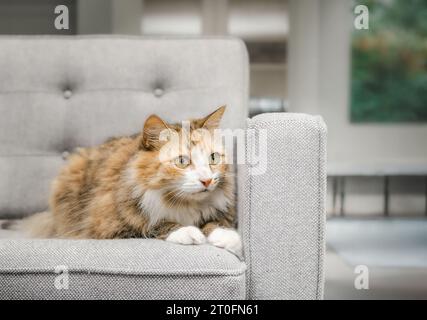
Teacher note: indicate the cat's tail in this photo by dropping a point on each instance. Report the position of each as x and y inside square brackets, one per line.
[39, 225]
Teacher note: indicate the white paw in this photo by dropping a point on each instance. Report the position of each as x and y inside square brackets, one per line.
[228, 239]
[187, 235]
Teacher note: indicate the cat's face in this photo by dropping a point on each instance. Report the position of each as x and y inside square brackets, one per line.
[191, 161]
[194, 163]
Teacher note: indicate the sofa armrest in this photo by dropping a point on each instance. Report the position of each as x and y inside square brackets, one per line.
[281, 205]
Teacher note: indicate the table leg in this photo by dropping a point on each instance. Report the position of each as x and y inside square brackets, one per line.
[334, 195]
[425, 190]
[386, 195]
[342, 195]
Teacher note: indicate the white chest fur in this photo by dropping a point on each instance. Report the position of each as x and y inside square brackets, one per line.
[153, 205]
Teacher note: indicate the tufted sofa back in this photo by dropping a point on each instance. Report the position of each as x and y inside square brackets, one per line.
[59, 93]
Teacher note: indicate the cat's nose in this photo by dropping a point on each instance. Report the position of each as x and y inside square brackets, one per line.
[206, 182]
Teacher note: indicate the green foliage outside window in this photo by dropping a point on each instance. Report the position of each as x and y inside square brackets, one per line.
[389, 63]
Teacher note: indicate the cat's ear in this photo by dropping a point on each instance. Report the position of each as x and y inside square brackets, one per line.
[213, 120]
[153, 127]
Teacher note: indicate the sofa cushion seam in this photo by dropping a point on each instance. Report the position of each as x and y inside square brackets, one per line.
[213, 273]
[319, 224]
[250, 265]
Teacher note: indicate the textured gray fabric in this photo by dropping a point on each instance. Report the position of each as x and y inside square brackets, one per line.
[282, 211]
[25, 183]
[128, 269]
[59, 93]
[84, 285]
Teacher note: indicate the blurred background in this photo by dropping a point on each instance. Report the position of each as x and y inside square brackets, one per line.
[370, 85]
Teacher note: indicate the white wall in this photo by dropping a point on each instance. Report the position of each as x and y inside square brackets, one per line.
[303, 53]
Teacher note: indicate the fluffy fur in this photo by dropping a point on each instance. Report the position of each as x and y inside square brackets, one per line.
[177, 187]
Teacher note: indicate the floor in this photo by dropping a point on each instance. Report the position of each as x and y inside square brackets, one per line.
[384, 282]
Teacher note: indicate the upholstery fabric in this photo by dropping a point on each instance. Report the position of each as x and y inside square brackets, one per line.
[282, 211]
[59, 93]
[118, 269]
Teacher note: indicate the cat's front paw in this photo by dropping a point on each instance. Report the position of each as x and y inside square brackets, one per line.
[228, 239]
[187, 235]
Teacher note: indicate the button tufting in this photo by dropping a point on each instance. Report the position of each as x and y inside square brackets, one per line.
[67, 94]
[65, 155]
[158, 92]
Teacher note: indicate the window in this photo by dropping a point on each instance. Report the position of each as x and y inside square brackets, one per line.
[389, 63]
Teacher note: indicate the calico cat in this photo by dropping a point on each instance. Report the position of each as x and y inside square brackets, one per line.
[177, 187]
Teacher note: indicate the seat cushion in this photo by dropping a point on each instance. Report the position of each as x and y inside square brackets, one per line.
[116, 269]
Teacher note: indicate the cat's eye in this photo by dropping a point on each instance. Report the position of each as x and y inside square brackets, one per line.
[214, 158]
[182, 162]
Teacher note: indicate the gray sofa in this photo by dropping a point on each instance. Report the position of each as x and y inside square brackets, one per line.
[59, 93]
